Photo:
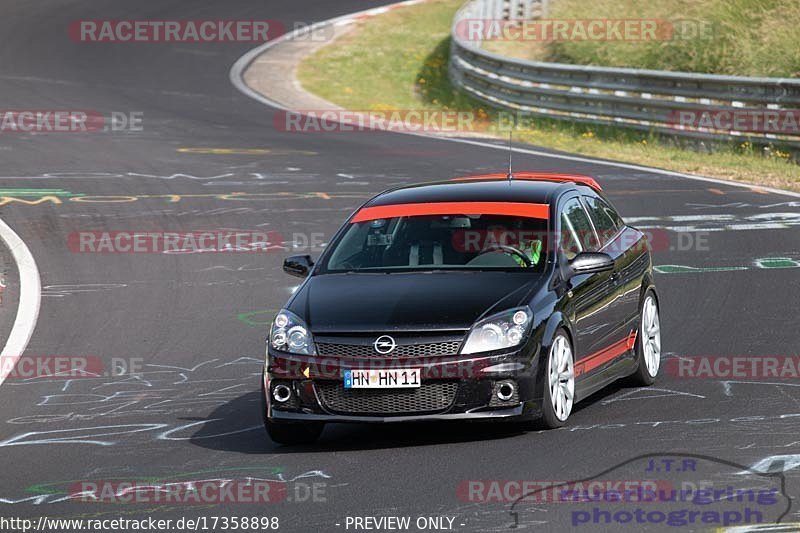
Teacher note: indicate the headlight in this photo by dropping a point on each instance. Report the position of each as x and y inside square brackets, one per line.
[503, 330]
[290, 334]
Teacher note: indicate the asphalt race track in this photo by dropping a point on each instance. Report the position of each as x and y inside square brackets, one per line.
[195, 324]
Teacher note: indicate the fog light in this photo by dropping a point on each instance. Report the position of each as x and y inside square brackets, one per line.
[506, 391]
[281, 393]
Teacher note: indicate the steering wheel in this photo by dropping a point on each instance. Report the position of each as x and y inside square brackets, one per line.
[491, 248]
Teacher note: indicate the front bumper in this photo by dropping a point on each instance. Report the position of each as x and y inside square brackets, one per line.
[452, 388]
[497, 414]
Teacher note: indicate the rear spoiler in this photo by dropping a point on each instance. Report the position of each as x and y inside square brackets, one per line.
[537, 176]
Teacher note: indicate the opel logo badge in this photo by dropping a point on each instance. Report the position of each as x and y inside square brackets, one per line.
[384, 344]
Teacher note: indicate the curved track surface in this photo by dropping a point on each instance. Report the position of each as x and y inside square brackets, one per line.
[196, 322]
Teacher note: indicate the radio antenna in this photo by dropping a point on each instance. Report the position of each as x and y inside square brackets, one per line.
[510, 152]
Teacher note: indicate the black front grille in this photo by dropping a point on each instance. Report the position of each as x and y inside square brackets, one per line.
[431, 349]
[431, 397]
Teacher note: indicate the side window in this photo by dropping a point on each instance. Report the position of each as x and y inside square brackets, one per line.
[613, 214]
[570, 244]
[605, 219]
[577, 234]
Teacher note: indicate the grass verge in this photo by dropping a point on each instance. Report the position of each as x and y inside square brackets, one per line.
[398, 60]
[735, 37]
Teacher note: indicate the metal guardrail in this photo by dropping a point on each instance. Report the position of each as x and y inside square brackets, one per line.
[649, 100]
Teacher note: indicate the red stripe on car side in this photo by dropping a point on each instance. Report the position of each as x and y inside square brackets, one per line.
[520, 209]
[606, 354]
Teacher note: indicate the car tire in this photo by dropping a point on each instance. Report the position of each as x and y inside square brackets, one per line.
[558, 382]
[648, 342]
[294, 432]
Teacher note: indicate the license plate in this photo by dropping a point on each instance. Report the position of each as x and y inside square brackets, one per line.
[382, 379]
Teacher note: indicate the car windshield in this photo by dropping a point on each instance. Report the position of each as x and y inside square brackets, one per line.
[437, 242]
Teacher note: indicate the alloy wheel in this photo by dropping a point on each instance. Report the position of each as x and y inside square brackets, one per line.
[651, 336]
[561, 377]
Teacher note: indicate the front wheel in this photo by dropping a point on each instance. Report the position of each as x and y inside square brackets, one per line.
[648, 342]
[559, 382]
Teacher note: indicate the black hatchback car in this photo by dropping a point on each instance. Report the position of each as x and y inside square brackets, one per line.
[484, 297]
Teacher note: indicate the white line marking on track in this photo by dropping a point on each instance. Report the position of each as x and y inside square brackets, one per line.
[236, 76]
[30, 295]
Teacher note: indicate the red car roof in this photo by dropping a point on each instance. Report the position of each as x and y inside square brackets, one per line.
[520, 209]
[537, 176]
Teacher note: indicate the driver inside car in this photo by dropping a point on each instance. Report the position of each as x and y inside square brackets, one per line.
[531, 248]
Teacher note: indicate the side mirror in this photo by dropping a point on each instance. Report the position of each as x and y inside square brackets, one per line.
[590, 263]
[298, 265]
